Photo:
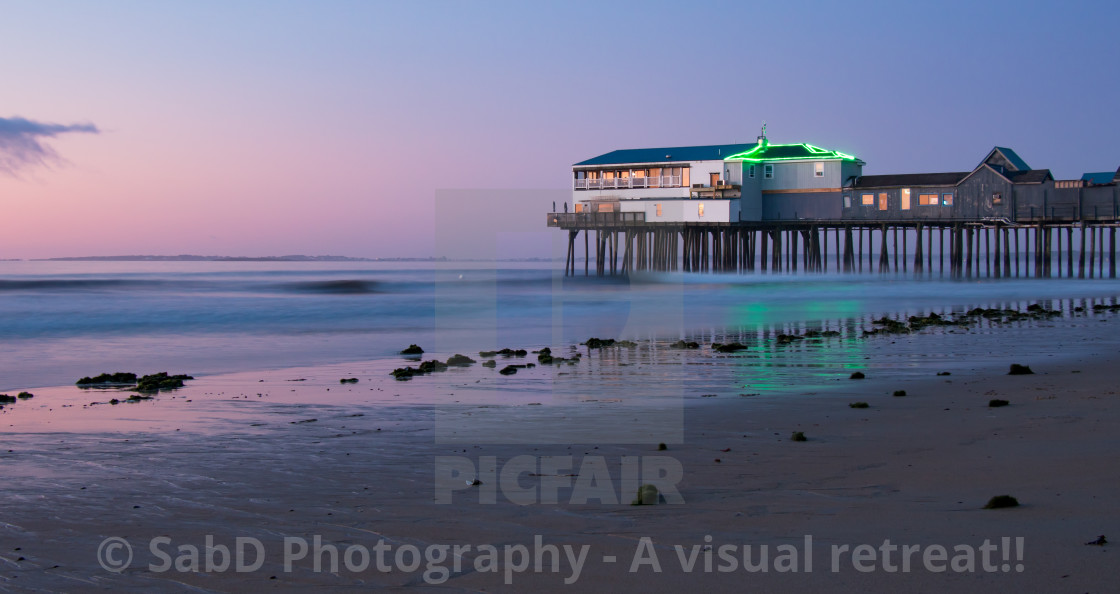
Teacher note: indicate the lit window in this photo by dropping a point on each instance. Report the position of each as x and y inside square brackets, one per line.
[883, 201]
[847, 201]
[752, 172]
[868, 199]
[905, 202]
[658, 210]
[927, 199]
[768, 171]
[700, 209]
[818, 169]
[947, 199]
[997, 198]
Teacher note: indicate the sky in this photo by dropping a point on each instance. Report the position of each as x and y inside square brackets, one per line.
[275, 127]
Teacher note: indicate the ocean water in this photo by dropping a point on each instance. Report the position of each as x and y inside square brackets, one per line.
[63, 320]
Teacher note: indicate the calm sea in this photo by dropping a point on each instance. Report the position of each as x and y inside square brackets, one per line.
[63, 320]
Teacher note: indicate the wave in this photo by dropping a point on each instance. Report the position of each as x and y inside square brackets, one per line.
[75, 284]
[334, 287]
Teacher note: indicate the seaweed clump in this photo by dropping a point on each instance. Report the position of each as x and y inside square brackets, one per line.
[647, 495]
[160, 381]
[504, 353]
[458, 360]
[120, 377]
[426, 367]
[1001, 501]
[154, 382]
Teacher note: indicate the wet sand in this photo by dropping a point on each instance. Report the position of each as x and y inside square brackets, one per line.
[262, 455]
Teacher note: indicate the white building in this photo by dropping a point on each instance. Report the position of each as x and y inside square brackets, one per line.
[713, 184]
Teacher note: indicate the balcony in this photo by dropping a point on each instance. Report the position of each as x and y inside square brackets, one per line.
[594, 219]
[628, 183]
[720, 190]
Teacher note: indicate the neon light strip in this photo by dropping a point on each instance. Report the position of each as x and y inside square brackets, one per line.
[818, 153]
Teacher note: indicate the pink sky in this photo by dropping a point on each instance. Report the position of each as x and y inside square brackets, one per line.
[268, 128]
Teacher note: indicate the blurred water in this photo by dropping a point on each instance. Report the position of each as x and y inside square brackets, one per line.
[63, 320]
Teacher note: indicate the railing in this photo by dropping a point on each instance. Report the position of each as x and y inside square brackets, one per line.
[622, 183]
[567, 219]
[1066, 213]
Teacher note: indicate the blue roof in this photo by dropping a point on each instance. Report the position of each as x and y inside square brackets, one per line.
[1103, 177]
[676, 154]
[1014, 157]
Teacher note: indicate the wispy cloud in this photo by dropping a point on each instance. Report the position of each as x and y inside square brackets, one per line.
[22, 142]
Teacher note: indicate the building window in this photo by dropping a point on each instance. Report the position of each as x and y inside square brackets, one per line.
[905, 201]
[818, 169]
[768, 171]
[847, 201]
[927, 199]
[883, 201]
[997, 198]
[700, 209]
[868, 199]
[579, 208]
[751, 172]
[658, 210]
[947, 199]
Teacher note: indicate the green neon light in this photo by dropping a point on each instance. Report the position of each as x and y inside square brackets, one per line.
[758, 154]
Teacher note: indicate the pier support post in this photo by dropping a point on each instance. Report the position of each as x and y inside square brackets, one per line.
[1092, 249]
[1112, 252]
[1069, 251]
[884, 258]
[1081, 255]
[997, 254]
[1017, 257]
[918, 256]
[968, 254]
[1006, 253]
[941, 251]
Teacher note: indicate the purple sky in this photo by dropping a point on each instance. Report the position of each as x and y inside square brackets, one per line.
[266, 128]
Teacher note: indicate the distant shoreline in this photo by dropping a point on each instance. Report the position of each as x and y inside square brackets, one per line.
[293, 258]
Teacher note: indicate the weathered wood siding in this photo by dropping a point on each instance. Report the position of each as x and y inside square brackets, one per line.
[975, 197]
[802, 206]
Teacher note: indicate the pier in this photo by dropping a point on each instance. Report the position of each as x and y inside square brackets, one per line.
[787, 208]
[621, 243]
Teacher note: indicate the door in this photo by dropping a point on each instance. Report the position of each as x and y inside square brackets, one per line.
[714, 179]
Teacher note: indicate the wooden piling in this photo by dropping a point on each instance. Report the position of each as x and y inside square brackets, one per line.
[995, 258]
[968, 253]
[1081, 255]
[1112, 252]
[1092, 249]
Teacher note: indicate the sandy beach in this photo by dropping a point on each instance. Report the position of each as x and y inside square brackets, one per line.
[883, 498]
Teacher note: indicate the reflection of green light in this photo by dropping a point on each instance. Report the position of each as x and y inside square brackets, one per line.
[812, 364]
[816, 153]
